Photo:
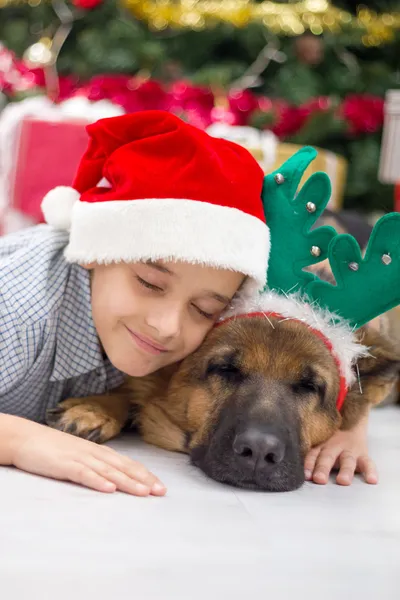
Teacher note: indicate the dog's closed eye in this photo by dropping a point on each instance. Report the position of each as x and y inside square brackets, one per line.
[226, 368]
[309, 383]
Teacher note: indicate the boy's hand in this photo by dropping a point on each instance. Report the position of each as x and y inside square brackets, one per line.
[346, 451]
[44, 451]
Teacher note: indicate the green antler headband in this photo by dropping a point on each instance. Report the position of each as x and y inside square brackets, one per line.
[365, 287]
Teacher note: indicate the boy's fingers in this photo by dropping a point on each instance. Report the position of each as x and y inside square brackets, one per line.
[310, 461]
[367, 467]
[132, 469]
[325, 462]
[348, 465]
[84, 475]
[123, 482]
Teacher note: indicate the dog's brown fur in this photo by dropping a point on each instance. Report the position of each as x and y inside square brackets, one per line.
[248, 373]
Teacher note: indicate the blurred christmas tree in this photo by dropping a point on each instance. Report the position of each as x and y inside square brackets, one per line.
[314, 72]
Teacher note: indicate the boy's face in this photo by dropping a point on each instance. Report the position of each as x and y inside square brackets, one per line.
[149, 315]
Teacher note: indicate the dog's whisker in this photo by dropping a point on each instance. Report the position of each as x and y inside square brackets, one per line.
[359, 379]
[269, 320]
[287, 319]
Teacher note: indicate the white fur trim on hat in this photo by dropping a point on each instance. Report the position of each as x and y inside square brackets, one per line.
[170, 229]
[57, 206]
[341, 335]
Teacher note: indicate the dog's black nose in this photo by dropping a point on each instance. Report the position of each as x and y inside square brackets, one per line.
[259, 449]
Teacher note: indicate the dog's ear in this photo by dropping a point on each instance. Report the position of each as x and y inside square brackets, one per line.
[376, 377]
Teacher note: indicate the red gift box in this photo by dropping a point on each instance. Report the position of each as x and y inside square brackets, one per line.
[48, 154]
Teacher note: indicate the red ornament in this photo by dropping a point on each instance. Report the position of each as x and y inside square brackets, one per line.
[364, 113]
[220, 114]
[14, 74]
[192, 103]
[87, 4]
[291, 119]
[146, 94]
[132, 93]
[242, 104]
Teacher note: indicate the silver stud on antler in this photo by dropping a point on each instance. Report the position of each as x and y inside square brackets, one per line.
[353, 266]
[310, 206]
[315, 251]
[386, 259]
[279, 178]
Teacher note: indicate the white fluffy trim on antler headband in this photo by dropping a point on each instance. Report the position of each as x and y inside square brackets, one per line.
[339, 333]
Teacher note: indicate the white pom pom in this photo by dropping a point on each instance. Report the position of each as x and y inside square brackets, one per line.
[57, 206]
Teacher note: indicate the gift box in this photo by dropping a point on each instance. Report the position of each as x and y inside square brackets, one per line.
[47, 156]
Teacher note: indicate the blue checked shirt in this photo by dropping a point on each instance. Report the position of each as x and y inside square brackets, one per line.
[49, 349]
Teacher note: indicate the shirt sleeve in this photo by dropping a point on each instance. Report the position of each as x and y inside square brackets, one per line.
[12, 355]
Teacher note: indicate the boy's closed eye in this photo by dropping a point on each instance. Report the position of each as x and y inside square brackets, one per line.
[155, 278]
[149, 285]
[208, 315]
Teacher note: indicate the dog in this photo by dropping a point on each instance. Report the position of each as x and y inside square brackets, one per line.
[247, 405]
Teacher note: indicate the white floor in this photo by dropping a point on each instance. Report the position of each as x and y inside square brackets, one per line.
[204, 541]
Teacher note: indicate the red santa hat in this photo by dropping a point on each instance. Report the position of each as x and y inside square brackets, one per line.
[151, 187]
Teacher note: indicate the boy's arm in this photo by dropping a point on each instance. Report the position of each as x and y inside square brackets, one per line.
[38, 449]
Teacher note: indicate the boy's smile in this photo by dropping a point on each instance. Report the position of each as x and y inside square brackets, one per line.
[146, 344]
[151, 314]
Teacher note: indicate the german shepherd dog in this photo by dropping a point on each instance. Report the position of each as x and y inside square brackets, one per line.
[247, 405]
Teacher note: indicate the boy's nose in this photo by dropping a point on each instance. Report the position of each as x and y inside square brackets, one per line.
[167, 323]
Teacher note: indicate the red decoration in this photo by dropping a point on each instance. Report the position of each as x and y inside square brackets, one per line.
[87, 4]
[242, 104]
[364, 113]
[195, 104]
[14, 74]
[192, 103]
[221, 114]
[132, 93]
[291, 119]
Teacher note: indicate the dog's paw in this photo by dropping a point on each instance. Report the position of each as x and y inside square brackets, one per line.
[83, 419]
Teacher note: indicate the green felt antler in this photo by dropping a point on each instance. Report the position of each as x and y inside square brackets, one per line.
[290, 218]
[365, 287]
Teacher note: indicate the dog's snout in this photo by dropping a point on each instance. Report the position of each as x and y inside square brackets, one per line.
[259, 449]
[253, 446]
